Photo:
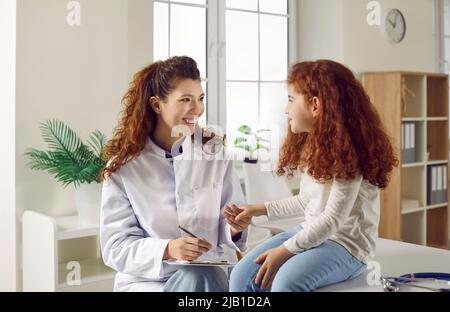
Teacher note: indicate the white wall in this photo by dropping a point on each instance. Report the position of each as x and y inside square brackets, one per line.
[337, 29]
[74, 73]
[321, 29]
[367, 49]
[8, 264]
[140, 35]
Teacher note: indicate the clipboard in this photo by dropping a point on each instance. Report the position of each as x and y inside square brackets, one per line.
[205, 262]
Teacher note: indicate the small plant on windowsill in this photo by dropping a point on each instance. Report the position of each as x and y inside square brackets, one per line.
[251, 142]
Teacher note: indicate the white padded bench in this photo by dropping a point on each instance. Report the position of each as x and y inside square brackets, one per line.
[395, 259]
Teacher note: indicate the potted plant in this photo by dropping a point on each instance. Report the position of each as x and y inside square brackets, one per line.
[251, 142]
[71, 161]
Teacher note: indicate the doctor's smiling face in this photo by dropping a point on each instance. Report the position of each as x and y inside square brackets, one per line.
[163, 96]
[183, 106]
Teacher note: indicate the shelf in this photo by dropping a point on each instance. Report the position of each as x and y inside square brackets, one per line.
[410, 205]
[92, 270]
[414, 96]
[413, 228]
[50, 243]
[437, 140]
[437, 119]
[412, 165]
[437, 162]
[437, 231]
[429, 207]
[437, 97]
[407, 211]
[71, 227]
[413, 184]
[409, 119]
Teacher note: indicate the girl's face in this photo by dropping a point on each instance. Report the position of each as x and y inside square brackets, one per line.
[301, 111]
[183, 106]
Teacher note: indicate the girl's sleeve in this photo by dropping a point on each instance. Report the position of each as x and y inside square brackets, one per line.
[285, 208]
[231, 194]
[341, 200]
[125, 246]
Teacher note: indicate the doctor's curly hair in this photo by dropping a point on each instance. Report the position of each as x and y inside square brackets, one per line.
[347, 137]
[138, 118]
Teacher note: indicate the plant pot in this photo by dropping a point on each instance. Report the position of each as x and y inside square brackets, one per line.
[88, 201]
[250, 160]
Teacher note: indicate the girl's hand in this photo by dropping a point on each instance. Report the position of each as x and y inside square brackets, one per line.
[249, 211]
[270, 261]
[237, 226]
[186, 248]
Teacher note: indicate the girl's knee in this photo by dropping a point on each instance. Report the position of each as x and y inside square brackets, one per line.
[238, 271]
[287, 286]
[287, 281]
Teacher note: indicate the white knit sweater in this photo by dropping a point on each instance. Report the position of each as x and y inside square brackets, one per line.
[343, 211]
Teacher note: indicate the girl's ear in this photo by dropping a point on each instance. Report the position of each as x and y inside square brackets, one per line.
[155, 103]
[316, 106]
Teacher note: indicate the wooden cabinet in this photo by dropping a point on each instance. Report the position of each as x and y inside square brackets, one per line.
[418, 101]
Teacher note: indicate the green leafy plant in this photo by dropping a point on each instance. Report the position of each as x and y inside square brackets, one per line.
[251, 141]
[68, 159]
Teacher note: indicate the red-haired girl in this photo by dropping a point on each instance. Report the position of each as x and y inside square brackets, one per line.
[338, 143]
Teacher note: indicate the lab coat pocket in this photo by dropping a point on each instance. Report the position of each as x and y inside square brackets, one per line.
[207, 201]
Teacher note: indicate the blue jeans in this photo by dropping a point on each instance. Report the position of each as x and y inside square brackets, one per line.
[326, 264]
[197, 279]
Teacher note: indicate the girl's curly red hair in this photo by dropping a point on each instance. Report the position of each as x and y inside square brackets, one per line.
[347, 136]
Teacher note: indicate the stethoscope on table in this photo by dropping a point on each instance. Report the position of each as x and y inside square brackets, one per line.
[435, 282]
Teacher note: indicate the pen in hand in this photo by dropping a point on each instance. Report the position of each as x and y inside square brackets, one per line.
[186, 231]
[195, 236]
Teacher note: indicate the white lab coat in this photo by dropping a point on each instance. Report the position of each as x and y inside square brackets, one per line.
[145, 201]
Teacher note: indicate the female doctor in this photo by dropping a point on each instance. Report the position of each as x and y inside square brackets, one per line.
[157, 180]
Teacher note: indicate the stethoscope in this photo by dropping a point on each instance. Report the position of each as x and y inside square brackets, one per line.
[395, 284]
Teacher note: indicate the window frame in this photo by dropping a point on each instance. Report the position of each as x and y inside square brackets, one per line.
[215, 75]
[439, 36]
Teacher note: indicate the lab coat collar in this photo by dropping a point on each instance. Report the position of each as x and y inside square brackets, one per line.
[177, 149]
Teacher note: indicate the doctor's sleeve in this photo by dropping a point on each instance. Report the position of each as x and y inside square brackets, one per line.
[231, 194]
[125, 246]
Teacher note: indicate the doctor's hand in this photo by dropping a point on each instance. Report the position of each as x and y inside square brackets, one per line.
[186, 248]
[230, 213]
[271, 261]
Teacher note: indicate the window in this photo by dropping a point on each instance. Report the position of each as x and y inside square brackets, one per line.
[446, 33]
[442, 31]
[243, 48]
[179, 28]
[256, 63]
